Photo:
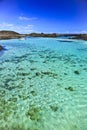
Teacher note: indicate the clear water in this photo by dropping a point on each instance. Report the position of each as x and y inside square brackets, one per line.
[43, 84]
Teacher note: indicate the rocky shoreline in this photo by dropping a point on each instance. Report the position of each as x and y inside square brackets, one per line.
[1, 48]
[4, 35]
[81, 37]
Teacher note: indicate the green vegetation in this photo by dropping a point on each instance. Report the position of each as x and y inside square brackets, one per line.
[33, 113]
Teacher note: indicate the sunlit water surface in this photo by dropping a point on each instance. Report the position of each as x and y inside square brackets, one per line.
[43, 84]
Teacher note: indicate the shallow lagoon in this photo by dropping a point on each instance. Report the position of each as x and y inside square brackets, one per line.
[43, 84]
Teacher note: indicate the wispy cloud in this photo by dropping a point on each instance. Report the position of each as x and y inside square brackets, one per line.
[2, 25]
[26, 18]
[19, 28]
[85, 31]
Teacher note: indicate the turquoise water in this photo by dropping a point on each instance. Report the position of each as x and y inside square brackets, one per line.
[43, 84]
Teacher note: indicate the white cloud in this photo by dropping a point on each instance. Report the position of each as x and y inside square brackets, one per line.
[2, 25]
[17, 28]
[26, 18]
[84, 31]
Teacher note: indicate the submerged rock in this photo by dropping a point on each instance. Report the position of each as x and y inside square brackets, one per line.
[50, 74]
[77, 72]
[37, 73]
[33, 93]
[54, 108]
[69, 88]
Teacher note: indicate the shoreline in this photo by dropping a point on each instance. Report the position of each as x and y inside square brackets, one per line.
[5, 35]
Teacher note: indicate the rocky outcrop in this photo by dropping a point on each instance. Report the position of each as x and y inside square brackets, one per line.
[1, 48]
[81, 37]
[42, 35]
[70, 36]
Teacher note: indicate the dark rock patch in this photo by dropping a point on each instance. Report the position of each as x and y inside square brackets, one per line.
[33, 93]
[69, 88]
[54, 108]
[76, 72]
[1, 48]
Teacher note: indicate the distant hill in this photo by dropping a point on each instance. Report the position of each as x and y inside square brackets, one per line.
[4, 34]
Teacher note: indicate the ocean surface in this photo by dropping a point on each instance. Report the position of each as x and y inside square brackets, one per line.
[43, 84]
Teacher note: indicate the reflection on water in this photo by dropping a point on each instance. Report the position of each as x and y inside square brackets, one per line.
[43, 85]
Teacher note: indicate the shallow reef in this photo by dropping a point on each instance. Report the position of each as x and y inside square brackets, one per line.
[43, 87]
[33, 113]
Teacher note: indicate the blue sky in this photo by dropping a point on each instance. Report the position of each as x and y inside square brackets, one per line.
[60, 16]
